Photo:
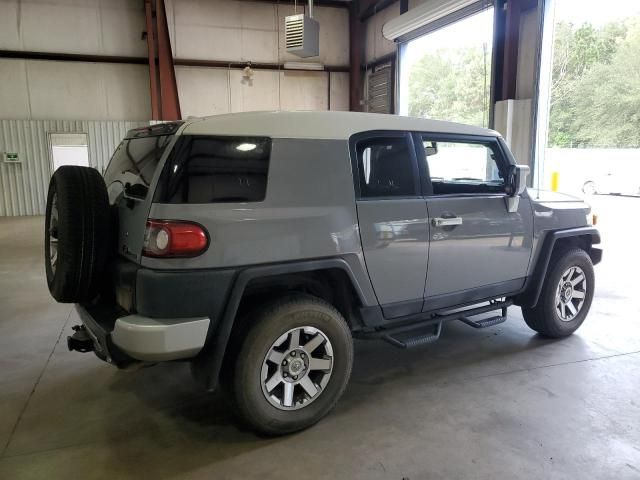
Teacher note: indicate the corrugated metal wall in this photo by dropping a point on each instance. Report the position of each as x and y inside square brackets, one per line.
[24, 185]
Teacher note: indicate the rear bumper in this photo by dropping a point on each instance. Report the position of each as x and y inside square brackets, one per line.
[160, 339]
[123, 339]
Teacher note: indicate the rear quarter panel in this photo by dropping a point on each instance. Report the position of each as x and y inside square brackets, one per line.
[308, 212]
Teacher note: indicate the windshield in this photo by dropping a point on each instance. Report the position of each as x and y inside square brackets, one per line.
[134, 162]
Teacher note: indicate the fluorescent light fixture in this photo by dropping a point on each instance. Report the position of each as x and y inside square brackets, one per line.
[246, 147]
[303, 66]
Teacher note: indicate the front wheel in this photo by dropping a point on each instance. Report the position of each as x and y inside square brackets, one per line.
[566, 295]
[293, 366]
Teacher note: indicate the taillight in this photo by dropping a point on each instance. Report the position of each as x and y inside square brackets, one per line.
[166, 238]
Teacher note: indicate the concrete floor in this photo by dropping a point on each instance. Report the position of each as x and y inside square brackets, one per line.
[494, 403]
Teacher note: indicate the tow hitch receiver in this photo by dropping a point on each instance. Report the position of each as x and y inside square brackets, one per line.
[80, 341]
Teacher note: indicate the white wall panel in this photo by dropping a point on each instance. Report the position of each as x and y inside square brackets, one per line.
[122, 23]
[303, 90]
[376, 45]
[66, 90]
[14, 95]
[9, 33]
[258, 93]
[126, 91]
[95, 27]
[340, 91]
[23, 185]
[203, 91]
[73, 90]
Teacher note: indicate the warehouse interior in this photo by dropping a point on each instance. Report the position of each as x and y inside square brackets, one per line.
[558, 79]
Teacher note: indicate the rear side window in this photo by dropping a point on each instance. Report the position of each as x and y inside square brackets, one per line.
[135, 161]
[386, 167]
[205, 169]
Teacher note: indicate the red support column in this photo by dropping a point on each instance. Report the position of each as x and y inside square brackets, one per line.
[165, 104]
[153, 75]
[168, 88]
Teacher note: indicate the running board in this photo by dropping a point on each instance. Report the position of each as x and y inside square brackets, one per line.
[415, 337]
[486, 322]
[421, 331]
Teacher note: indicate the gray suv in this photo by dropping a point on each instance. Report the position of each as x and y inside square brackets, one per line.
[255, 246]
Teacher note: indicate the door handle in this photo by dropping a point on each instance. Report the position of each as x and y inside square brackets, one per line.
[446, 222]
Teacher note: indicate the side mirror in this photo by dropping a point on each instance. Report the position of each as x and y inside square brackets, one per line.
[430, 148]
[516, 185]
[520, 174]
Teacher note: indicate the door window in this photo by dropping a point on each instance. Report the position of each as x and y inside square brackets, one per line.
[386, 167]
[457, 167]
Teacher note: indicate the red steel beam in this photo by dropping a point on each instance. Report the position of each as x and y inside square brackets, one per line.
[153, 73]
[169, 100]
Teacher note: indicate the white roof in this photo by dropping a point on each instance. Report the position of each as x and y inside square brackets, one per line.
[319, 125]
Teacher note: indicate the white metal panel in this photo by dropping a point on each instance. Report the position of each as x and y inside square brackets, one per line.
[23, 185]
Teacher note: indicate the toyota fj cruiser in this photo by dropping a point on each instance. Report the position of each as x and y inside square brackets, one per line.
[256, 245]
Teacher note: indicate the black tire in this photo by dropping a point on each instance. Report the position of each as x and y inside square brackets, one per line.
[82, 232]
[544, 318]
[274, 321]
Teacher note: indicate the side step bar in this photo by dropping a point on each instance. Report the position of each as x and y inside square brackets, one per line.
[414, 337]
[486, 322]
[428, 330]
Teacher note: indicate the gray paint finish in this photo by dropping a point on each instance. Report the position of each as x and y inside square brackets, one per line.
[395, 240]
[309, 212]
[490, 246]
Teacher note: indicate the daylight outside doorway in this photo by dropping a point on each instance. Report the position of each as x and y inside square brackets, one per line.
[446, 74]
[592, 141]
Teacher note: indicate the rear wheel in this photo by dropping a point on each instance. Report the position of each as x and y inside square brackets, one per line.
[566, 295]
[293, 365]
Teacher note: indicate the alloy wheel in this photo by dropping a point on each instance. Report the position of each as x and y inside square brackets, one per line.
[297, 368]
[571, 293]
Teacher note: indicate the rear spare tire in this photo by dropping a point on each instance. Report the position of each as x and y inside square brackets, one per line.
[76, 233]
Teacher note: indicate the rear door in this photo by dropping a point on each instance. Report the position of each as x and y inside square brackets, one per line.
[392, 216]
[477, 248]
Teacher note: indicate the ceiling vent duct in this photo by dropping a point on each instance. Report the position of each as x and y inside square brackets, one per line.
[302, 34]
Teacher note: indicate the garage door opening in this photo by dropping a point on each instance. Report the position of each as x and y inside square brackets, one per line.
[592, 143]
[68, 149]
[445, 74]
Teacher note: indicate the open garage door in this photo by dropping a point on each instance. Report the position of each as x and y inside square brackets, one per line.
[445, 73]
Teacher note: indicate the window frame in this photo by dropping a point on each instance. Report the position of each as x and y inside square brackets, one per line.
[502, 161]
[358, 138]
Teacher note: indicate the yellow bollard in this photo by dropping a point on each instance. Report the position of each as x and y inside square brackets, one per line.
[555, 179]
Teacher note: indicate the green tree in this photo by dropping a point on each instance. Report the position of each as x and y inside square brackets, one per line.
[451, 84]
[607, 97]
[576, 52]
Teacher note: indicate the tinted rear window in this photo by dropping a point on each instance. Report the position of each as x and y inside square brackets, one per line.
[135, 161]
[204, 169]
